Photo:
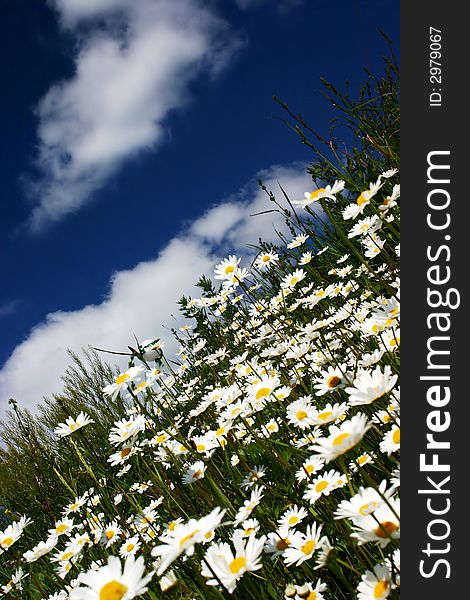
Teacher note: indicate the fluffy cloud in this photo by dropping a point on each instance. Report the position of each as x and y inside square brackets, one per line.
[134, 63]
[141, 300]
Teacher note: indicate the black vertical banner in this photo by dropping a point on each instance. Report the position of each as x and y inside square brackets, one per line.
[435, 238]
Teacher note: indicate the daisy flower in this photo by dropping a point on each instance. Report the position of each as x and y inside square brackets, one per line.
[265, 259]
[330, 379]
[370, 386]
[278, 541]
[130, 546]
[71, 425]
[305, 258]
[292, 517]
[263, 388]
[250, 527]
[12, 534]
[298, 241]
[391, 440]
[122, 380]
[306, 591]
[110, 534]
[364, 503]
[303, 546]
[253, 476]
[310, 467]
[364, 459]
[329, 414]
[319, 193]
[184, 537]
[126, 428]
[40, 549]
[194, 472]
[376, 584]
[301, 412]
[353, 210]
[62, 527]
[373, 245]
[112, 581]
[292, 279]
[69, 552]
[229, 566]
[75, 506]
[323, 485]
[342, 438]
[249, 505]
[225, 268]
[120, 457]
[380, 526]
[365, 226]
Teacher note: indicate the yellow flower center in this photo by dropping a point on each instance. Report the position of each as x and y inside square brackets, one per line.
[385, 529]
[282, 544]
[74, 506]
[308, 547]
[333, 381]
[366, 509]
[161, 438]
[363, 198]
[67, 555]
[314, 195]
[262, 393]
[310, 469]
[312, 596]
[396, 436]
[321, 486]
[325, 415]
[249, 530]
[220, 431]
[200, 447]
[122, 378]
[301, 414]
[380, 589]
[229, 269]
[188, 537]
[109, 535]
[7, 542]
[293, 520]
[266, 258]
[61, 528]
[125, 452]
[362, 459]
[237, 564]
[130, 547]
[113, 590]
[340, 438]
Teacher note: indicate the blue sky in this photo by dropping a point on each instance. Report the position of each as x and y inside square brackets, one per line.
[132, 137]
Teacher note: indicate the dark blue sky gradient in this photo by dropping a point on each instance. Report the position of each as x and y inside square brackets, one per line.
[214, 145]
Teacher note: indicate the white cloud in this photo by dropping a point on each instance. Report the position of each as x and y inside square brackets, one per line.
[133, 65]
[141, 300]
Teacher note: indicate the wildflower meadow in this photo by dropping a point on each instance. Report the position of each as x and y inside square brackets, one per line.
[262, 460]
